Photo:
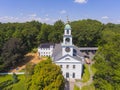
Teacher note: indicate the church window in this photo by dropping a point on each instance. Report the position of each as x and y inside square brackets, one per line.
[67, 39]
[67, 31]
[73, 66]
[67, 75]
[73, 75]
[67, 66]
[67, 58]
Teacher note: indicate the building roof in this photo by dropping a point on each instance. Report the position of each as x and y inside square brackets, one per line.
[46, 45]
[88, 48]
[57, 53]
[67, 27]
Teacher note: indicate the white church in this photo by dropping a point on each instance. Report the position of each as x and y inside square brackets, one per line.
[66, 55]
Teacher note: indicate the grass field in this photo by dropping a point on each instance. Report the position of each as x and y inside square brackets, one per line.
[5, 78]
[5, 85]
[76, 88]
[90, 87]
[93, 69]
[86, 75]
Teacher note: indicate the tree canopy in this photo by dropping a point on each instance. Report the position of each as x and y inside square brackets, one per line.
[107, 60]
[47, 76]
[12, 53]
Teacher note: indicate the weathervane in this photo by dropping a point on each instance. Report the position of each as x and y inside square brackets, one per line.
[67, 19]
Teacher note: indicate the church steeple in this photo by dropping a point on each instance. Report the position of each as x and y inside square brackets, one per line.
[67, 20]
[67, 40]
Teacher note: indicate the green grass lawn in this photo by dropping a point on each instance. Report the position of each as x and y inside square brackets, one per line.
[76, 88]
[93, 69]
[90, 87]
[5, 78]
[86, 74]
[20, 85]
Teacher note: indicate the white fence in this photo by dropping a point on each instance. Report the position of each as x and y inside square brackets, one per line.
[8, 73]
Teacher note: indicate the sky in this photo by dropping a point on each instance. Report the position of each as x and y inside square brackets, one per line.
[49, 11]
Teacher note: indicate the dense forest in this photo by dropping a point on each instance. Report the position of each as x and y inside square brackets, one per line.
[107, 59]
[16, 39]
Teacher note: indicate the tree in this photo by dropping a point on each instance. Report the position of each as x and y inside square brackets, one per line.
[12, 53]
[47, 76]
[107, 62]
[29, 71]
[15, 78]
[86, 32]
[57, 32]
[44, 33]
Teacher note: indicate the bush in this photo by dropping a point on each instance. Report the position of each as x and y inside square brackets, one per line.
[15, 78]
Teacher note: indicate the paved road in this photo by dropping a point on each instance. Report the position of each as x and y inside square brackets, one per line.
[69, 85]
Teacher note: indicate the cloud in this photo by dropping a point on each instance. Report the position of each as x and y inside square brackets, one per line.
[105, 17]
[80, 1]
[63, 11]
[46, 15]
[31, 17]
[118, 21]
[8, 19]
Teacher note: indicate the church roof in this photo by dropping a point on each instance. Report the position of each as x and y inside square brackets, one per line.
[57, 53]
[46, 45]
[88, 48]
[67, 27]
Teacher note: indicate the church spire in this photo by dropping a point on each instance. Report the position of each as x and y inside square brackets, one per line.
[68, 20]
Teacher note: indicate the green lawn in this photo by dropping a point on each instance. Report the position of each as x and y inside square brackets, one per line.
[86, 74]
[5, 78]
[90, 87]
[21, 84]
[6, 84]
[76, 88]
[93, 69]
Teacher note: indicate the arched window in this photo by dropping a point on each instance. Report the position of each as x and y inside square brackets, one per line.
[67, 58]
[67, 31]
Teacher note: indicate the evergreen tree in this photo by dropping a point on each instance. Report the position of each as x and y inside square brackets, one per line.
[15, 78]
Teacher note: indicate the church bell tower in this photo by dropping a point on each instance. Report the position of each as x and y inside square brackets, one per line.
[67, 46]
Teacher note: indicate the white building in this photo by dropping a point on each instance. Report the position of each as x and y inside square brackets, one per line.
[46, 49]
[66, 55]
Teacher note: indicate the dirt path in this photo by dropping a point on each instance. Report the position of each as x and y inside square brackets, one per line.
[30, 57]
